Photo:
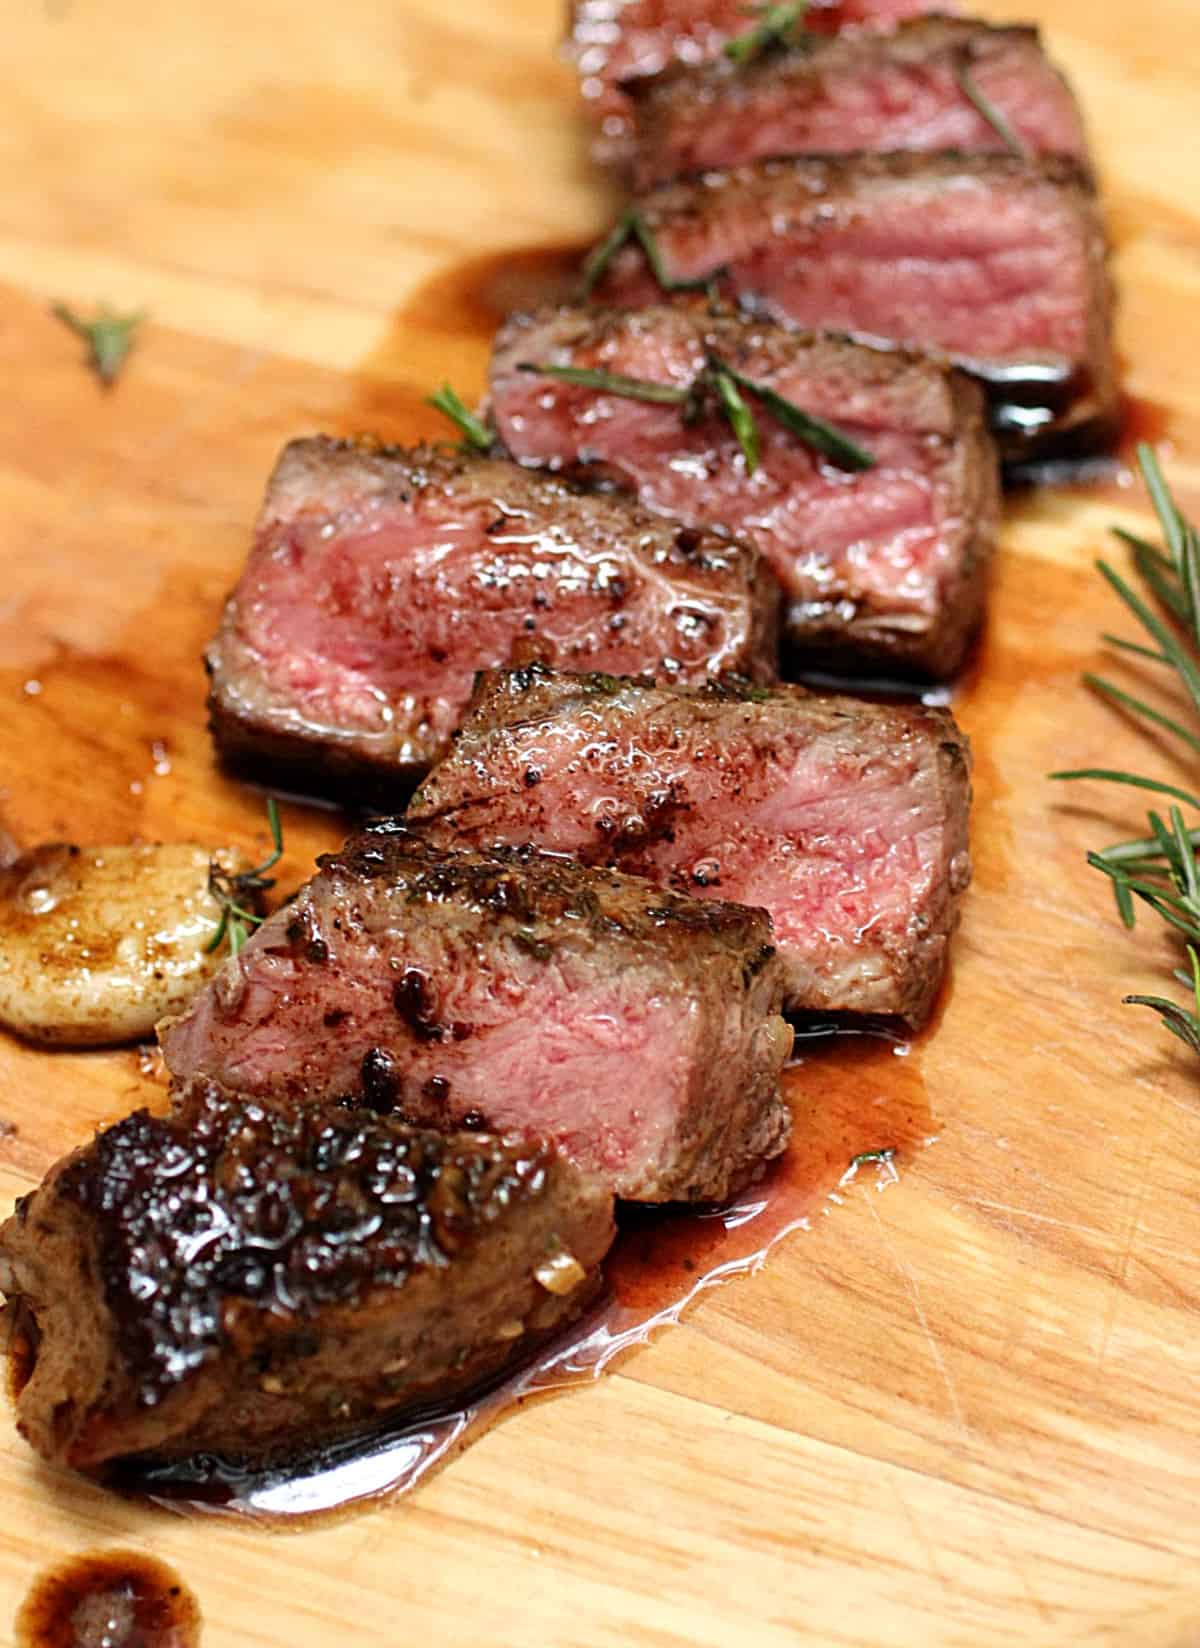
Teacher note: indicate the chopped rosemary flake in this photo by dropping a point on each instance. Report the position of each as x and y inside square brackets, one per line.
[777, 26]
[612, 383]
[109, 337]
[631, 225]
[1159, 870]
[476, 434]
[229, 889]
[879, 1157]
[985, 107]
[739, 416]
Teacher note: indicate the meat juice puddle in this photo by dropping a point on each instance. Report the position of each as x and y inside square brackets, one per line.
[852, 1095]
[109, 1599]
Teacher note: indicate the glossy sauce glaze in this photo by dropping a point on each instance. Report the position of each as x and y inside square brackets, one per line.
[853, 1096]
[109, 1599]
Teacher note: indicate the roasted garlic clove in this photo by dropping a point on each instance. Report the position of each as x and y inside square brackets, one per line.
[98, 943]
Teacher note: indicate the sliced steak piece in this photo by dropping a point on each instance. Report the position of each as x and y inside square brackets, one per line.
[380, 580]
[637, 1029]
[245, 1282]
[887, 565]
[846, 820]
[997, 263]
[616, 42]
[920, 87]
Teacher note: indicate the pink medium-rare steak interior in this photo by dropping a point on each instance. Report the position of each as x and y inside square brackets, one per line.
[988, 263]
[518, 992]
[908, 89]
[381, 580]
[997, 263]
[611, 41]
[847, 821]
[886, 562]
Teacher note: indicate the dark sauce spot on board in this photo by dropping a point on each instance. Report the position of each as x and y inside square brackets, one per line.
[109, 1599]
[852, 1094]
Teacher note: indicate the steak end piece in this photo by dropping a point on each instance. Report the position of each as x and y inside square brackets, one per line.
[249, 1283]
[919, 87]
[614, 43]
[635, 1028]
[995, 263]
[884, 567]
[847, 821]
[381, 579]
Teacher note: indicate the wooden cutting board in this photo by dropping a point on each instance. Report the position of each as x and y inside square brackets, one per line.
[963, 1409]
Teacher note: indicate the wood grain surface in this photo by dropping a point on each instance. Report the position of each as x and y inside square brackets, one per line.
[962, 1410]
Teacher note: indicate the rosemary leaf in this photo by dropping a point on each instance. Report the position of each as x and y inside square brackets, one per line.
[739, 416]
[1172, 649]
[1136, 706]
[1187, 858]
[647, 240]
[108, 335]
[475, 433]
[1137, 850]
[777, 26]
[1111, 777]
[1131, 646]
[612, 383]
[1169, 517]
[1179, 1022]
[985, 107]
[1159, 575]
[599, 259]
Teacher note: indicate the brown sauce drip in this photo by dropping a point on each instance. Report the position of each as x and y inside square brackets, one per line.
[479, 294]
[464, 305]
[850, 1094]
[1142, 420]
[109, 1599]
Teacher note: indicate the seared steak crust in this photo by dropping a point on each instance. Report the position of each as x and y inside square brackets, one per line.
[244, 1281]
[846, 820]
[995, 263]
[636, 1028]
[907, 89]
[381, 579]
[889, 565]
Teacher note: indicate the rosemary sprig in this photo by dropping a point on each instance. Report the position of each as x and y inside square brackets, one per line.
[985, 107]
[777, 26]
[108, 335]
[1159, 870]
[477, 437]
[234, 891]
[723, 384]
